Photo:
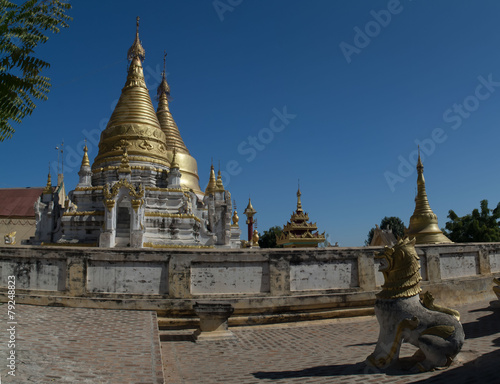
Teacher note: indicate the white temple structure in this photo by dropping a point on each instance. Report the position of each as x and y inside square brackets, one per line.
[142, 189]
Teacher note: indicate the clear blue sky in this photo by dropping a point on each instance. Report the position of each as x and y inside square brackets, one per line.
[360, 101]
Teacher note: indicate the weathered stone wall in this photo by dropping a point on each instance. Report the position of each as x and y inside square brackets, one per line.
[292, 284]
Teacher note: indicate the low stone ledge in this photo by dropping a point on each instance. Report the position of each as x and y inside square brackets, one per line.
[214, 317]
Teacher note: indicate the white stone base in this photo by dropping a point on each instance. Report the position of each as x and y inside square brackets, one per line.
[200, 336]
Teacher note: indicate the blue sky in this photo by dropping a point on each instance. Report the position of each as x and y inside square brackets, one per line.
[336, 93]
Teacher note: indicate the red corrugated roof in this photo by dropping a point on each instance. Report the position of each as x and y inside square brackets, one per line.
[19, 202]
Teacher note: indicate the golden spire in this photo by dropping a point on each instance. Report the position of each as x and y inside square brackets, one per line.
[136, 50]
[85, 160]
[212, 184]
[167, 123]
[219, 187]
[133, 123]
[174, 163]
[173, 140]
[299, 204]
[48, 187]
[424, 223]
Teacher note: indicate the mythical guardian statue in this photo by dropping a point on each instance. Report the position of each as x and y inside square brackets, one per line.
[402, 317]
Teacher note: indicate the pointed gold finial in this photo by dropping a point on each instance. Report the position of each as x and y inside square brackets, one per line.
[212, 184]
[218, 185]
[249, 210]
[85, 160]
[424, 223]
[174, 163]
[299, 203]
[124, 166]
[48, 187]
[163, 88]
[136, 50]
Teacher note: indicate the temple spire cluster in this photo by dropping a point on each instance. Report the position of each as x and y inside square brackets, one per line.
[142, 190]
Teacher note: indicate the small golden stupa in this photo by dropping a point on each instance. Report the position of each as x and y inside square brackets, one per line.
[424, 223]
[298, 232]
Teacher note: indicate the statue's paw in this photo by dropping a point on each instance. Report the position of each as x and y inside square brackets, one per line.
[376, 362]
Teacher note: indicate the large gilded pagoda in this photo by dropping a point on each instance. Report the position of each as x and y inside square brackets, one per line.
[424, 223]
[142, 189]
[299, 232]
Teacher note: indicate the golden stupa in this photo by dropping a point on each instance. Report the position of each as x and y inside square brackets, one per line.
[187, 164]
[298, 232]
[149, 137]
[424, 223]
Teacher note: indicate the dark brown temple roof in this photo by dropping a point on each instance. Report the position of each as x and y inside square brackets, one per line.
[19, 202]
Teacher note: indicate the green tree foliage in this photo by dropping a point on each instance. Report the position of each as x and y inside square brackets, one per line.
[22, 29]
[268, 238]
[395, 223]
[475, 227]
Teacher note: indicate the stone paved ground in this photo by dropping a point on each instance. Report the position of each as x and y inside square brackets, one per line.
[324, 352]
[79, 345]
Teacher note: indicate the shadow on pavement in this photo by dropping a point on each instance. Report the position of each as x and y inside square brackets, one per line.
[484, 325]
[332, 370]
[482, 370]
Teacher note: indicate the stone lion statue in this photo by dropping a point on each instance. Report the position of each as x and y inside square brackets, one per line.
[402, 317]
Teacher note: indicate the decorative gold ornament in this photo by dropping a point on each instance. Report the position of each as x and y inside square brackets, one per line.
[84, 213]
[235, 219]
[255, 238]
[124, 166]
[89, 188]
[136, 204]
[109, 194]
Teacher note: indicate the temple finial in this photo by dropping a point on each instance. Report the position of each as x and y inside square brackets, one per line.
[174, 163]
[48, 187]
[163, 88]
[136, 50]
[299, 204]
[212, 183]
[85, 160]
[420, 166]
[219, 186]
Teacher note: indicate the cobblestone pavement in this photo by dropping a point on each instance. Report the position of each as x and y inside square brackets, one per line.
[330, 351]
[79, 345]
